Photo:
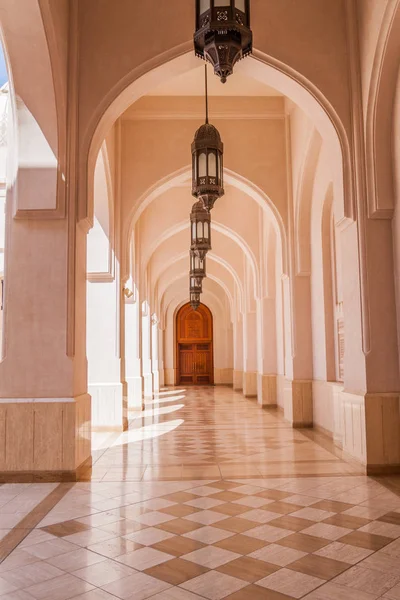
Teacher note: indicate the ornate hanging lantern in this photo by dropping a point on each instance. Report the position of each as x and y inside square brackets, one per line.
[197, 265]
[207, 162]
[223, 35]
[200, 228]
[194, 300]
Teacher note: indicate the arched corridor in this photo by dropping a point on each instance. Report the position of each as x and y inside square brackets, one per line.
[200, 300]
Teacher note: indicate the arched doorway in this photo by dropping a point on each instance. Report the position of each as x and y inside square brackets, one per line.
[194, 346]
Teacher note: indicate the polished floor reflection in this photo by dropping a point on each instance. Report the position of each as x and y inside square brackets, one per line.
[205, 497]
[211, 433]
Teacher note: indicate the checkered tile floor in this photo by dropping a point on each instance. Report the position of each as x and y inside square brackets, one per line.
[234, 536]
[316, 538]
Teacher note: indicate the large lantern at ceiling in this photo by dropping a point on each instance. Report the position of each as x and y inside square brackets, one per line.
[223, 35]
[200, 230]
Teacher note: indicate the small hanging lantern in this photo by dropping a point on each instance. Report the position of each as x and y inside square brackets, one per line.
[194, 300]
[223, 35]
[207, 162]
[197, 265]
[200, 228]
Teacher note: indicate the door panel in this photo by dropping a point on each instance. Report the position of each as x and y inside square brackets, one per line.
[194, 352]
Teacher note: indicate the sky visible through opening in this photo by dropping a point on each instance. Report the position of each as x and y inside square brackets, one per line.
[3, 68]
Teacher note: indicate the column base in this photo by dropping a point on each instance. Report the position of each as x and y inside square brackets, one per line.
[298, 407]
[238, 380]
[223, 376]
[267, 395]
[371, 426]
[169, 376]
[109, 411]
[250, 384]
[46, 439]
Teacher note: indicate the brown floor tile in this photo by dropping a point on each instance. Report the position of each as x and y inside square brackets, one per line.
[66, 528]
[362, 539]
[179, 510]
[231, 509]
[303, 542]
[274, 494]
[179, 526]
[392, 517]
[319, 566]
[227, 496]
[255, 592]
[293, 523]
[248, 569]
[176, 571]
[177, 546]
[347, 521]
[283, 508]
[236, 525]
[332, 506]
[180, 497]
[241, 544]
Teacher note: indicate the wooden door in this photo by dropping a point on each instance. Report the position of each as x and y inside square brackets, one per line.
[194, 346]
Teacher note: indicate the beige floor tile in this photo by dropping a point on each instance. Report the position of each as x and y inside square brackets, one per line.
[148, 537]
[79, 558]
[136, 587]
[344, 552]
[31, 574]
[385, 529]
[211, 557]
[208, 535]
[51, 548]
[332, 591]
[278, 555]
[145, 558]
[18, 595]
[269, 533]
[206, 517]
[59, 588]
[329, 532]
[368, 580]
[291, 583]
[96, 594]
[104, 572]
[214, 585]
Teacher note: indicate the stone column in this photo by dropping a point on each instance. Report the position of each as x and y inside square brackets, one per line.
[267, 378]
[45, 410]
[154, 355]
[133, 366]
[370, 400]
[298, 408]
[146, 352]
[250, 355]
[103, 351]
[161, 356]
[238, 353]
